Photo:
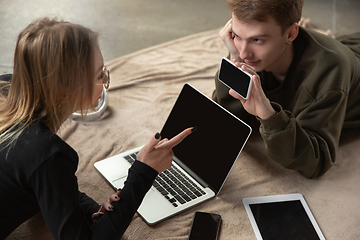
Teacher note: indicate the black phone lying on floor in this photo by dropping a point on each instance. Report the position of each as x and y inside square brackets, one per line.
[205, 226]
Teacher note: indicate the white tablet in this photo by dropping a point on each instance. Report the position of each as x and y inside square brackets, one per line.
[282, 217]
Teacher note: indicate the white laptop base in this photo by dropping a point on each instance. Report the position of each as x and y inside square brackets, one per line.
[152, 198]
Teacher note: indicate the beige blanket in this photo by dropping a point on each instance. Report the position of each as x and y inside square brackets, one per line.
[144, 86]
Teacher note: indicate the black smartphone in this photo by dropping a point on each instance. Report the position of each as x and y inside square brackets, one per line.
[235, 78]
[205, 226]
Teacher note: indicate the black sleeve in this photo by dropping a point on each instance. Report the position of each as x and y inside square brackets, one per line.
[88, 205]
[113, 224]
[55, 186]
[66, 211]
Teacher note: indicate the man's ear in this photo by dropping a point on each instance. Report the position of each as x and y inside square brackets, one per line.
[292, 32]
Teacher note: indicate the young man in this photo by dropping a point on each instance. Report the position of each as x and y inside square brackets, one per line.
[306, 86]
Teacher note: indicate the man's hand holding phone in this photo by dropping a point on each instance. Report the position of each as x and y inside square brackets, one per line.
[257, 104]
[247, 89]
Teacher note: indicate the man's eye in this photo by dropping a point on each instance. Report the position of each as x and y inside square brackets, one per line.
[258, 40]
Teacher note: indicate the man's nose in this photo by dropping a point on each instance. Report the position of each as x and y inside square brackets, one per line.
[245, 51]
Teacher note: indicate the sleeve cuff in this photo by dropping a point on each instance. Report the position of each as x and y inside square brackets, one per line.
[145, 170]
[275, 123]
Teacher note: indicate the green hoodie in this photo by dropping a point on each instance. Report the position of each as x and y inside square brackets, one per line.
[319, 96]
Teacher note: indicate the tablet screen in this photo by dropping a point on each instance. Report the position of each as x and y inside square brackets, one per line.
[280, 219]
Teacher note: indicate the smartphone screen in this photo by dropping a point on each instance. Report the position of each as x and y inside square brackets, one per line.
[235, 78]
[205, 226]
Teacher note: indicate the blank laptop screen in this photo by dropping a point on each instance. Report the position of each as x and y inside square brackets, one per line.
[212, 149]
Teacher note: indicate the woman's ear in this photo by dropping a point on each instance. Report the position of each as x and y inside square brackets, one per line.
[292, 32]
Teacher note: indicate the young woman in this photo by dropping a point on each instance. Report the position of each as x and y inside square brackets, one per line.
[59, 69]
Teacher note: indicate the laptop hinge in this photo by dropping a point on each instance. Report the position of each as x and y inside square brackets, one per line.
[191, 173]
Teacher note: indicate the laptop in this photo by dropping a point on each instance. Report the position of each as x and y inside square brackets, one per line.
[201, 163]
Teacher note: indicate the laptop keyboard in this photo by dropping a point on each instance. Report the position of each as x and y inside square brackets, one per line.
[173, 184]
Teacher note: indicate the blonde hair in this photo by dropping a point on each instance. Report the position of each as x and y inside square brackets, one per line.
[53, 76]
[285, 12]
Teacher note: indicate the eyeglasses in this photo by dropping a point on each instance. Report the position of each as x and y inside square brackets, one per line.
[105, 73]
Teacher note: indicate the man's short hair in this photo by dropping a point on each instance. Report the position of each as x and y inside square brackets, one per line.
[285, 12]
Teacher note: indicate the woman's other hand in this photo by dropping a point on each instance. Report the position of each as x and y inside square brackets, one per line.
[106, 206]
